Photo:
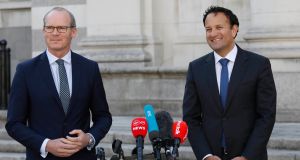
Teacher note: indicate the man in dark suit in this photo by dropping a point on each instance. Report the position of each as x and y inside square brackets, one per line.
[53, 95]
[230, 97]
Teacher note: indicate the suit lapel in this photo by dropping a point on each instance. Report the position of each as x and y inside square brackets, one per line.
[76, 72]
[237, 74]
[48, 78]
[212, 80]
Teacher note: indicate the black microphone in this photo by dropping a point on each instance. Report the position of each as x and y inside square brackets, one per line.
[165, 122]
[117, 148]
[100, 153]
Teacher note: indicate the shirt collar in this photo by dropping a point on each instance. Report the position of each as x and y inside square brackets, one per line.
[230, 56]
[52, 58]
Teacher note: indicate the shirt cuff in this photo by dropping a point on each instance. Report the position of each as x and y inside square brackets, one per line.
[91, 143]
[206, 156]
[43, 151]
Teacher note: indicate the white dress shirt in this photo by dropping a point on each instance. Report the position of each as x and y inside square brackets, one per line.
[231, 57]
[55, 74]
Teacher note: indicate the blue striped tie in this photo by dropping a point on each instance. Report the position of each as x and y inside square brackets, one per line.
[223, 91]
[64, 91]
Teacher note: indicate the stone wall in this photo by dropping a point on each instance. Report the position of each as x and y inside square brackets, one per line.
[15, 22]
[128, 90]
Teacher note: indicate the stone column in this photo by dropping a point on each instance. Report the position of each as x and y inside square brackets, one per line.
[114, 33]
[275, 28]
[275, 32]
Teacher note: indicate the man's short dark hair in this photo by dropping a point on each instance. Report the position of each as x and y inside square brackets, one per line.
[228, 13]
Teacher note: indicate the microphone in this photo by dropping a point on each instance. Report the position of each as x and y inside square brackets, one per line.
[153, 130]
[100, 153]
[117, 148]
[139, 130]
[165, 122]
[180, 131]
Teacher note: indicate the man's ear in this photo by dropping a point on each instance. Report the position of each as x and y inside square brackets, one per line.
[234, 30]
[74, 32]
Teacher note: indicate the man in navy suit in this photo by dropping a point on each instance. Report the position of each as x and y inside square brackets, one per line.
[54, 97]
[230, 96]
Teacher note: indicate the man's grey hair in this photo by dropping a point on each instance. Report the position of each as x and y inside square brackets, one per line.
[73, 22]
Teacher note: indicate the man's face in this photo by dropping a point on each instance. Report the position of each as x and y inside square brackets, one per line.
[219, 34]
[58, 43]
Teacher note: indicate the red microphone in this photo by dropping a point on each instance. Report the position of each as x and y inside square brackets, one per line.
[139, 129]
[179, 133]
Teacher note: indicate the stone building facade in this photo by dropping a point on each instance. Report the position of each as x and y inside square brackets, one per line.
[144, 46]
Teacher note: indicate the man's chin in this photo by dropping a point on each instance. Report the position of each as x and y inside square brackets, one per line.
[215, 47]
[55, 47]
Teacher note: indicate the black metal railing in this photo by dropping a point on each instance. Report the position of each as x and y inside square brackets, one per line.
[4, 74]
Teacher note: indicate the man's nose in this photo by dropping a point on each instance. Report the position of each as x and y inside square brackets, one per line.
[55, 31]
[213, 32]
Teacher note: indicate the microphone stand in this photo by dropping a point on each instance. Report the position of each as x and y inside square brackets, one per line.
[156, 148]
[140, 144]
[168, 153]
[175, 148]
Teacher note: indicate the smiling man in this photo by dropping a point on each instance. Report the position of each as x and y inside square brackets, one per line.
[230, 96]
[55, 95]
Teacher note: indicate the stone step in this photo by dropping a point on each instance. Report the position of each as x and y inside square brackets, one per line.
[11, 146]
[3, 114]
[284, 135]
[185, 152]
[284, 142]
[274, 142]
[12, 156]
[4, 135]
[275, 154]
[125, 135]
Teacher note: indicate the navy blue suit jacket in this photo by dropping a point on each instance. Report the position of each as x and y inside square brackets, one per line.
[35, 111]
[250, 108]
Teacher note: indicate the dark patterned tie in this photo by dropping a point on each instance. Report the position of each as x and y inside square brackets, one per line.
[223, 90]
[64, 91]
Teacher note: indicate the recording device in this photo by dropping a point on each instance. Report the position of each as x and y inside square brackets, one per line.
[117, 148]
[179, 132]
[165, 122]
[153, 130]
[100, 154]
[139, 128]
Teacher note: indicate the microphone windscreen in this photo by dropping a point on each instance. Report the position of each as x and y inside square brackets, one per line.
[117, 146]
[150, 117]
[180, 130]
[115, 157]
[139, 127]
[153, 135]
[165, 122]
